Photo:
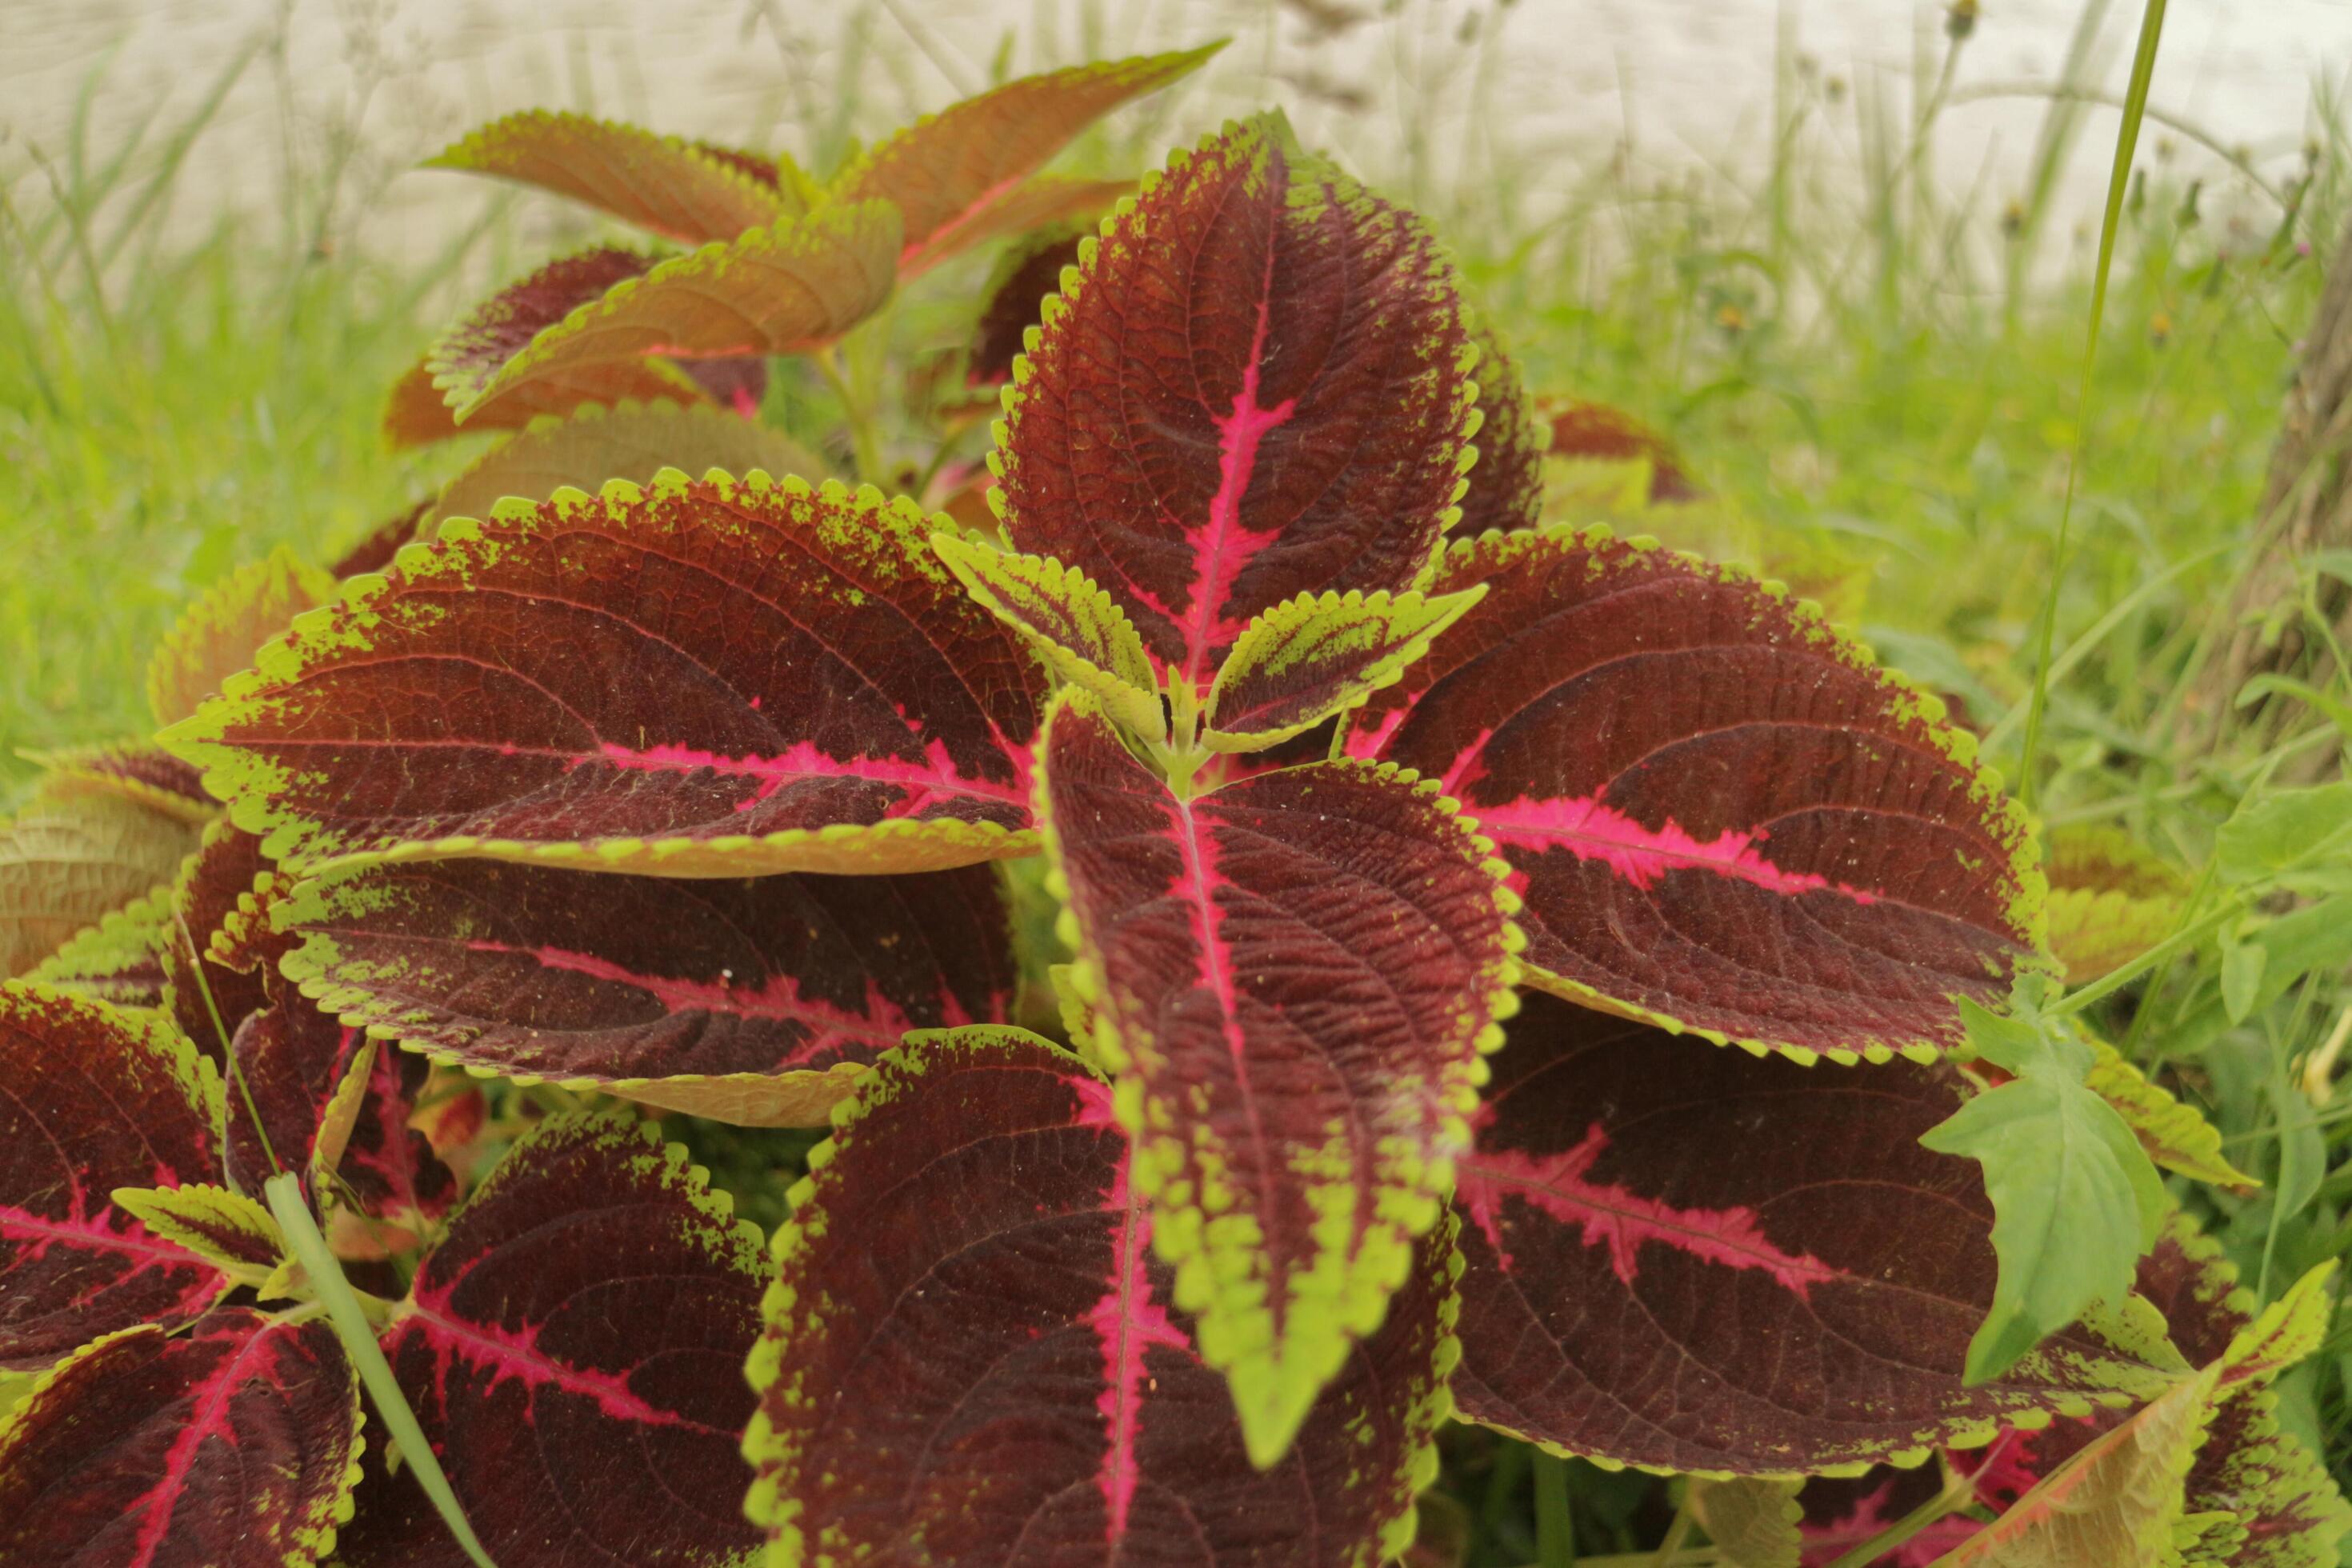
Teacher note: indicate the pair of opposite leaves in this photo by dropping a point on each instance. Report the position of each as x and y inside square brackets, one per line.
[785, 265]
[1253, 401]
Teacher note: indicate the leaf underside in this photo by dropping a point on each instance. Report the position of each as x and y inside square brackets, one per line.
[92, 1099]
[1013, 1374]
[683, 190]
[1294, 975]
[1695, 1259]
[69, 860]
[695, 678]
[206, 997]
[957, 177]
[1719, 815]
[1254, 390]
[573, 1350]
[783, 985]
[634, 441]
[234, 1445]
[146, 776]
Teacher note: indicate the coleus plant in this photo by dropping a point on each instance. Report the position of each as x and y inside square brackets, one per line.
[1507, 972]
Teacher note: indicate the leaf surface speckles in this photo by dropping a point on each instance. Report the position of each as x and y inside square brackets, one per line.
[1296, 973]
[234, 1445]
[630, 985]
[1720, 815]
[1695, 1259]
[92, 1099]
[1256, 389]
[573, 1350]
[695, 679]
[1014, 1372]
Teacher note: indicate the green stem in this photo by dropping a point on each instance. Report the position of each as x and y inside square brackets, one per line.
[2151, 28]
[1555, 1526]
[865, 439]
[2115, 980]
[284, 1192]
[1956, 1492]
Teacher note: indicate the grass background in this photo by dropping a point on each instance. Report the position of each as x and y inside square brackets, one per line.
[1858, 359]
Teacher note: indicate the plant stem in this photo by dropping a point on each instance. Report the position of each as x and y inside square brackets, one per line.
[2151, 28]
[865, 440]
[1955, 1492]
[284, 1192]
[1555, 1528]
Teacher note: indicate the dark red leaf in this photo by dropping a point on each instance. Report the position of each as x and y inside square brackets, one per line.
[970, 1306]
[695, 679]
[735, 385]
[1691, 1258]
[234, 1445]
[92, 1099]
[1254, 390]
[1014, 298]
[209, 999]
[464, 362]
[1294, 975]
[292, 1060]
[573, 1350]
[782, 986]
[1719, 814]
[1507, 487]
[401, 1185]
[1583, 429]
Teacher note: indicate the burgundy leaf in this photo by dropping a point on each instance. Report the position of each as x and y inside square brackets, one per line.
[1254, 390]
[1015, 297]
[1294, 975]
[1507, 487]
[573, 1350]
[210, 999]
[736, 384]
[295, 1064]
[1691, 1258]
[91, 1098]
[234, 1445]
[626, 984]
[696, 678]
[400, 1184]
[970, 1304]
[1720, 815]
[465, 359]
[1584, 430]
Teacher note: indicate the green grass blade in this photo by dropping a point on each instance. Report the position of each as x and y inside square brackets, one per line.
[2151, 29]
[350, 1318]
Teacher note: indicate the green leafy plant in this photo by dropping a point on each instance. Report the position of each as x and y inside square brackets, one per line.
[1497, 969]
